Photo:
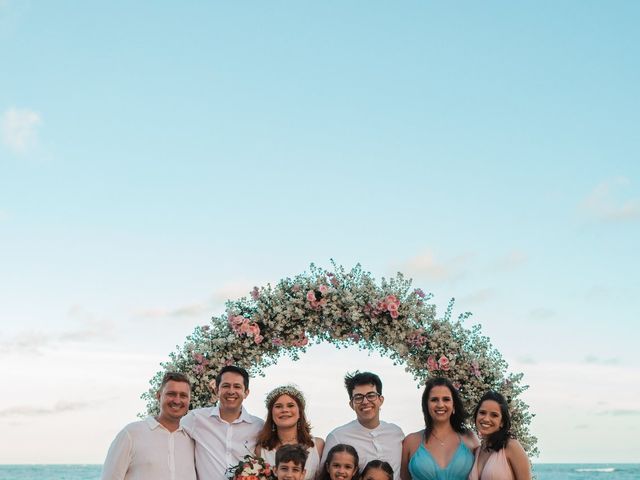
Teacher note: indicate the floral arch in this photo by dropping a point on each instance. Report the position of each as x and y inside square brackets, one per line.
[347, 309]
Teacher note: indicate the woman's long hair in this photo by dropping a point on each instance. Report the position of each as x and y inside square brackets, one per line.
[340, 448]
[268, 436]
[497, 440]
[459, 414]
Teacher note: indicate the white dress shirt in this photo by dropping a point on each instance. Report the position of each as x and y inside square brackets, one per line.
[381, 443]
[147, 450]
[220, 444]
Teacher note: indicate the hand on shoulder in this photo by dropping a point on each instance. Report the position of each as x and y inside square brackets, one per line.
[471, 440]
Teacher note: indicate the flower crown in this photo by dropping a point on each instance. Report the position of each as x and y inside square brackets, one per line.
[290, 390]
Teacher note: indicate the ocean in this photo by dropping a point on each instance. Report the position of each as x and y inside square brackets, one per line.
[544, 471]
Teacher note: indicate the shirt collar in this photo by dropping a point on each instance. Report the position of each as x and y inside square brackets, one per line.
[244, 415]
[152, 423]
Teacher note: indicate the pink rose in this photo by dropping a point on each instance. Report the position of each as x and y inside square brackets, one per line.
[431, 363]
[443, 362]
[244, 327]
[394, 313]
[254, 330]
[323, 289]
[392, 299]
[311, 296]
[258, 339]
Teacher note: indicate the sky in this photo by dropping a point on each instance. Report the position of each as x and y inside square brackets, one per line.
[157, 159]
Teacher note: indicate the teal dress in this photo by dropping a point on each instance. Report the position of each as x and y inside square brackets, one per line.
[422, 466]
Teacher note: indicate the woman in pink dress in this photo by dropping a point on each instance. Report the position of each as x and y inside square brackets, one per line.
[499, 456]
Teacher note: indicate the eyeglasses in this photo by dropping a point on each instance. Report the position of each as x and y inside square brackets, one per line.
[359, 398]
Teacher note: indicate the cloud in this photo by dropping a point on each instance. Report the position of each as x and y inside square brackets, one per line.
[606, 203]
[186, 311]
[425, 265]
[592, 359]
[511, 261]
[233, 290]
[19, 129]
[541, 313]
[477, 297]
[620, 412]
[203, 309]
[29, 411]
[89, 328]
[527, 360]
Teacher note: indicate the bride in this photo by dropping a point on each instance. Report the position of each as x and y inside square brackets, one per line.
[287, 424]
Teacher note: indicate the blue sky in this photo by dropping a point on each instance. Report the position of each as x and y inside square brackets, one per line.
[157, 159]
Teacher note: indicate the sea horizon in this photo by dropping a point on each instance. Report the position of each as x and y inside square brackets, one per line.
[541, 470]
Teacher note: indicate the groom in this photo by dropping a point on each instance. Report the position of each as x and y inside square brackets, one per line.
[372, 438]
[223, 434]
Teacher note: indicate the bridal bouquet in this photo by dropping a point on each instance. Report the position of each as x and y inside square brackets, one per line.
[251, 468]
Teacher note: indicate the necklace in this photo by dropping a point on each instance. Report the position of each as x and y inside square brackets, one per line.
[438, 439]
[286, 441]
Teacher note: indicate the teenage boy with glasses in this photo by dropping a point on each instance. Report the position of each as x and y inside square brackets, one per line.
[372, 438]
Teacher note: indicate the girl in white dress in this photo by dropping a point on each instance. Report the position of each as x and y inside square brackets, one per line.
[287, 424]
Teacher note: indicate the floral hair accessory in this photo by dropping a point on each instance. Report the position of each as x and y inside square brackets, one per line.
[290, 390]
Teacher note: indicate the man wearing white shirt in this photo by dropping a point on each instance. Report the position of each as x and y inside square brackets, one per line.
[372, 438]
[223, 434]
[157, 447]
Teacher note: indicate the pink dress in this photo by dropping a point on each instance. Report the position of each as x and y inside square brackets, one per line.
[496, 468]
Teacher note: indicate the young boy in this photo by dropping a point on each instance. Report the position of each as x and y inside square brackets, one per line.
[290, 462]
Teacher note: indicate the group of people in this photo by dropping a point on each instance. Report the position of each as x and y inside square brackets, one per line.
[203, 443]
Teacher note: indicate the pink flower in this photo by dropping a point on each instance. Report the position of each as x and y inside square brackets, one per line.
[431, 363]
[323, 289]
[443, 363]
[394, 313]
[458, 385]
[392, 307]
[199, 369]
[392, 299]
[278, 342]
[419, 292]
[258, 339]
[311, 296]
[417, 338]
[255, 293]
[301, 342]
[244, 327]
[254, 330]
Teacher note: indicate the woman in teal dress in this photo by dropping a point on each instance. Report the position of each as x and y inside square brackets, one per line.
[444, 449]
